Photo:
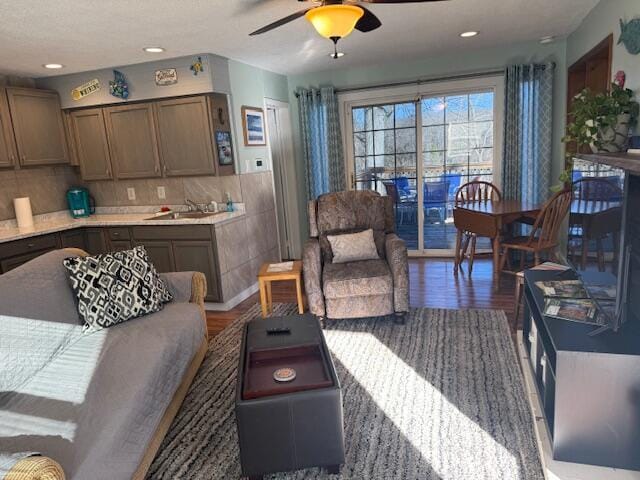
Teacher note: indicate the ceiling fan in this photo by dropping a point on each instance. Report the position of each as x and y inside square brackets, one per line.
[335, 19]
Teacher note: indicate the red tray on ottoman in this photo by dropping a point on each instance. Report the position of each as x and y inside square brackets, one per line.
[287, 425]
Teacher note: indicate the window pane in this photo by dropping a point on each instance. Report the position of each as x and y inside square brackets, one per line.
[432, 158]
[406, 140]
[433, 111]
[481, 134]
[383, 142]
[405, 115]
[406, 163]
[363, 143]
[362, 119]
[481, 106]
[363, 167]
[458, 136]
[383, 164]
[433, 138]
[382, 117]
[457, 109]
[457, 158]
[482, 155]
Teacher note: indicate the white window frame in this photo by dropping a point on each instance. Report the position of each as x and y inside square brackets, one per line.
[414, 93]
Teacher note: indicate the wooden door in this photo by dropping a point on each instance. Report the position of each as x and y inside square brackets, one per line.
[90, 141]
[38, 126]
[220, 122]
[198, 256]
[185, 141]
[161, 254]
[7, 142]
[132, 140]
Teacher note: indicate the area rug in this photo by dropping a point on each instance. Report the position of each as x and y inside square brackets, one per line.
[439, 398]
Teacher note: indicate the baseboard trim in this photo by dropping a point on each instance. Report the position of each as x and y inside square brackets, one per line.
[555, 469]
[223, 307]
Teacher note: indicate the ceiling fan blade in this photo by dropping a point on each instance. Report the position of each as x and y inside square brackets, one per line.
[368, 21]
[280, 22]
[400, 1]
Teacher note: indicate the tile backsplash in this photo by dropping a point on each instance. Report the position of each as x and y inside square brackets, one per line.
[45, 186]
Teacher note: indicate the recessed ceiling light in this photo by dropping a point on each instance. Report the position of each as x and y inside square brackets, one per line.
[53, 65]
[471, 33]
[337, 55]
[547, 39]
[153, 49]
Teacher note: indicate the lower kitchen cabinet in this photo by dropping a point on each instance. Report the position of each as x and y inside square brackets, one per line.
[198, 256]
[161, 254]
[171, 248]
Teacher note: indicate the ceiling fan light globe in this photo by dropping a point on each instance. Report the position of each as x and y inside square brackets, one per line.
[334, 20]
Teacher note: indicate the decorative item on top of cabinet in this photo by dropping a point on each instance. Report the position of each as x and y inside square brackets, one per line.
[91, 144]
[133, 143]
[183, 134]
[7, 142]
[220, 122]
[38, 126]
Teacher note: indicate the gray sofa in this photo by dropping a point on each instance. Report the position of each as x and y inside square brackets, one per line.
[97, 404]
[368, 288]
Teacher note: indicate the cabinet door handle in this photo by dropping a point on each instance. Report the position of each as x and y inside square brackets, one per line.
[24, 158]
[221, 116]
[30, 245]
[166, 170]
[157, 168]
[12, 158]
[115, 234]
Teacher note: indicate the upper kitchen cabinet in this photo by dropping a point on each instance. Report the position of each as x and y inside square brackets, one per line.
[91, 145]
[38, 126]
[7, 144]
[185, 142]
[132, 140]
[220, 122]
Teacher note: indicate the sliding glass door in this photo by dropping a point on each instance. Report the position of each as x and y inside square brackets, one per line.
[420, 150]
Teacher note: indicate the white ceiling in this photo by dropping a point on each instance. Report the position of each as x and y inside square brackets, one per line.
[91, 34]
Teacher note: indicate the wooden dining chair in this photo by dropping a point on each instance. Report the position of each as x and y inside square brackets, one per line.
[544, 234]
[605, 194]
[467, 230]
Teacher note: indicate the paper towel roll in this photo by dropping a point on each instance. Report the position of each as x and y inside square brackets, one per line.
[24, 216]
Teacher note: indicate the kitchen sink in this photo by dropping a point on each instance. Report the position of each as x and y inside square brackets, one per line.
[183, 215]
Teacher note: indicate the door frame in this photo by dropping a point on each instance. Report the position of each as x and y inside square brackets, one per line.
[415, 93]
[285, 186]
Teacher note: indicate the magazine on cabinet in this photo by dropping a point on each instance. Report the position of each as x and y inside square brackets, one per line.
[574, 310]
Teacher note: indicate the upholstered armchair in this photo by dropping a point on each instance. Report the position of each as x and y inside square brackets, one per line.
[365, 288]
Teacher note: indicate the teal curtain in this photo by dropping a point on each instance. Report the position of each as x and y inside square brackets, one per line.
[321, 141]
[528, 123]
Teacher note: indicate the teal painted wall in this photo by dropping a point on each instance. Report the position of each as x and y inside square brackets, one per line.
[443, 65]
[249, 87]
[601, 21]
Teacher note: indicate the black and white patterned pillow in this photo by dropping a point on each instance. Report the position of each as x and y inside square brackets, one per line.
[115, 287]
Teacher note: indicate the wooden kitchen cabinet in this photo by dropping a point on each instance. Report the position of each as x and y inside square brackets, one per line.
[38, 126]
[186, 146]
[73, 239]
[96, 241]
[15, 253]
[91, 145]
[199, 256]
[161, 254]
[132, 140]
[7, 142]
[220, 122]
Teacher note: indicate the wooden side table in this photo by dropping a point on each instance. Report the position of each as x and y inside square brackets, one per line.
[264, 281]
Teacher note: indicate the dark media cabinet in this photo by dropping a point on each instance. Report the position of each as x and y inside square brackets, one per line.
[589, 386]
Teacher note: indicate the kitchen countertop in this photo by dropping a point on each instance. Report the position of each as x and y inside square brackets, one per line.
[60, 221]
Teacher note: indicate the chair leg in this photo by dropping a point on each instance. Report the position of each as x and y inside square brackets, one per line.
[465, 247]
[503, 258]
[400, 318]
[473, 252]
[456, 263]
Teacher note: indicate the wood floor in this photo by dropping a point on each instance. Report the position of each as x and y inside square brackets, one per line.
[432, 282]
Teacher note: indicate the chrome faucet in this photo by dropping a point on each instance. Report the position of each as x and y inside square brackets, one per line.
[194, 206]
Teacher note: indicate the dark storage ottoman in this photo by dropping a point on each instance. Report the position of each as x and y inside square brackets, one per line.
[293, 425]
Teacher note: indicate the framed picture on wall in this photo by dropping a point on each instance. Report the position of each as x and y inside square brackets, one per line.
[253, 126]
[225, 152]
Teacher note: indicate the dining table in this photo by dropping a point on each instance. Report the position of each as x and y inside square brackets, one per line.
[490, 218]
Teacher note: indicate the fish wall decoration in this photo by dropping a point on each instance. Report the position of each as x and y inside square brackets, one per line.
[118, 87]
[630, 35]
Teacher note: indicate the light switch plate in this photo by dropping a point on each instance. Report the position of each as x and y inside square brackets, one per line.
[131, 193]
[162, 194]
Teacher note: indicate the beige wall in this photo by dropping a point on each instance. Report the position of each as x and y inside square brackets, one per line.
[46, 187]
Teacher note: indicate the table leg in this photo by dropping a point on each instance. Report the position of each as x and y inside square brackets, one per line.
[263, 298]
[496, 262]
[269, 297]
[299, 295]
[456, 262]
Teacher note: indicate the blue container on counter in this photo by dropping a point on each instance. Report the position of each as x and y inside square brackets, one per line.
[81, 204]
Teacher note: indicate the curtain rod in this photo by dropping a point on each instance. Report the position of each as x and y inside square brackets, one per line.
[426, 80]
